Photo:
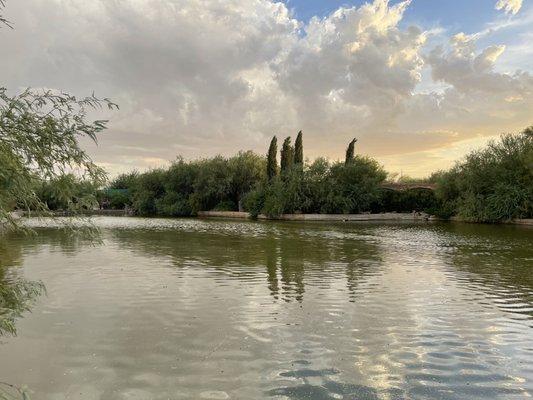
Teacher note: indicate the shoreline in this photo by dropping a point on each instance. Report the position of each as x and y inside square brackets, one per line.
[110, 213]
[242, 215]
[320, 217]
[415, 216]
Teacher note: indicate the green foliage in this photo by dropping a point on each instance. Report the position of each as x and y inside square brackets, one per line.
[492, 184]
[115, 199]
[272, 162]
[124, 181]
[299, 150]
[254, 201]
[225, 205]
[354, 186]
[316, 185]
[188, 187]
[68, 192]
[147, 190]
[418, 199]
[286, 194]
[287, 155]
[212, 184]
[172, 204]
[39, 134]
[320, 188]
[227, 184]
[15, 299]
[246, 170]
[350, 152]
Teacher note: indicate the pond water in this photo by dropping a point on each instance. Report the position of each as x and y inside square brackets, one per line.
[195, 309]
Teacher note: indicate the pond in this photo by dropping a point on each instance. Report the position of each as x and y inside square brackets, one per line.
[198, 309]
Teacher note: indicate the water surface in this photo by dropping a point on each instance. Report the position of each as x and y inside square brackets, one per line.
[192, 309]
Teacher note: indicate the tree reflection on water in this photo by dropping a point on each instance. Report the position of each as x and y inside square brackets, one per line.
[17, 294]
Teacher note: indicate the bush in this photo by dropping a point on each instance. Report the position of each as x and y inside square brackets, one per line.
[416, 199]
[147, 190]
[188, 187]
[492, 184]
[115, 199]
[124, 181]
[254, 201]
[354, 187]
[173, 204]
[226, 205]
[67, 192]
[320, 188]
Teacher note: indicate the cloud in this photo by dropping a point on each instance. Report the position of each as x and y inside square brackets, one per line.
[509, 6]
[467, 71]
[477, 100]
[200, 77]
[471, 73]
[353, 68]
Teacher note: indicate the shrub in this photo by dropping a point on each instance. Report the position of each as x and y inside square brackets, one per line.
[355, 186]
[492, 184]
[67, 192]
[254, 201]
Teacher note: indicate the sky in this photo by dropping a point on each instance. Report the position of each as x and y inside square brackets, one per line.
[419, 83]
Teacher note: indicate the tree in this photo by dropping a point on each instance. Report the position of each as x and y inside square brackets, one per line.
[272, 162]
[354, 187]
[287, 155]
[245, 169]
[39, 132]
[491, 184]
[124, 181]
[299, 150]
[350, 152]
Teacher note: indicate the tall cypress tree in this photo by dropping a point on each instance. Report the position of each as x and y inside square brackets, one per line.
[287, 155]
[350, 152]
[272, 162]
[299, 149]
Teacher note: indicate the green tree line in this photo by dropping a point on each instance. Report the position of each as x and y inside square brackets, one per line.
[250, 182]
[186, 187]
[488, 185]
[491, 184]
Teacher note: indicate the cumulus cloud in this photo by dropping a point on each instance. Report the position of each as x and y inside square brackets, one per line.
[199, 77]
[472, 73]
[465, 70]
[353, 68]
[509, 6]
[477, 100]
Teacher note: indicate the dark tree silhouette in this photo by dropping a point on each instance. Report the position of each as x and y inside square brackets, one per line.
[287, 155]
[299, 149]
[350, 152]
[272, 162]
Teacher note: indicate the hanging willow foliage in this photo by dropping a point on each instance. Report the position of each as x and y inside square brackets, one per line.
[39, 140]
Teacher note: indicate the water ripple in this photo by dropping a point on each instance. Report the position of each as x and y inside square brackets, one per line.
[193, 309]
